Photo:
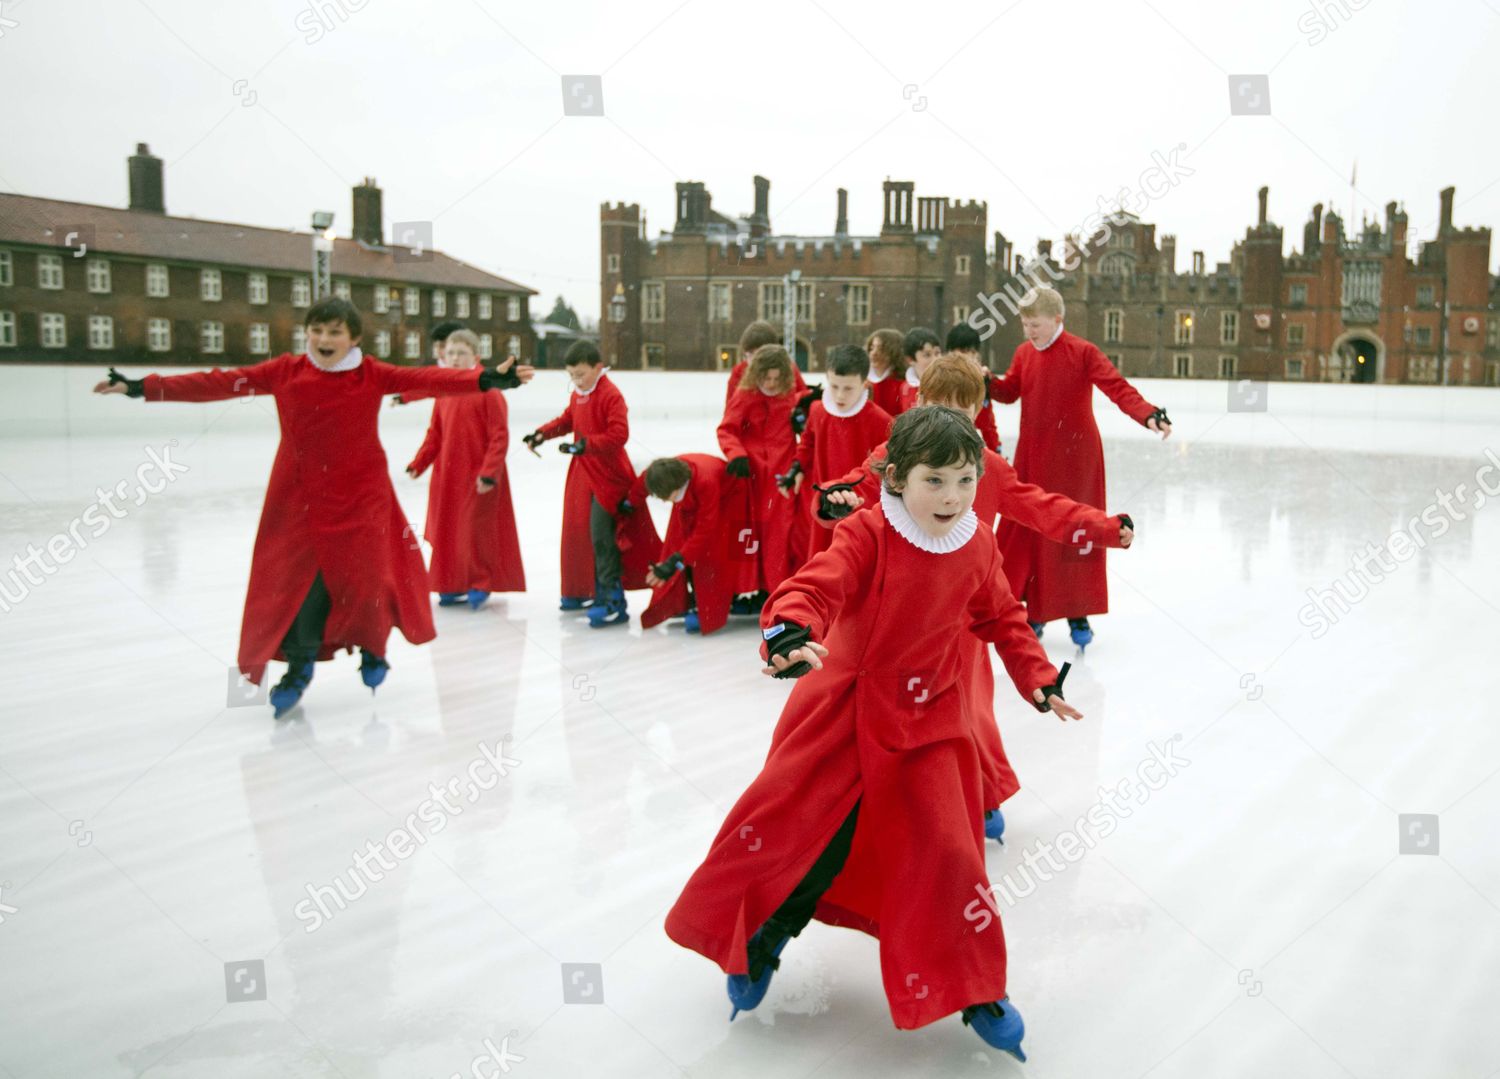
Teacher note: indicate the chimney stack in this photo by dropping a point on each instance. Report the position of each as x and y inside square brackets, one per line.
[369, 215]
[841, 226]
[760, 221]
[1265, 193]
[1044, 249]
[899, 197]
[1169, 254]
[1197, 263]
[146, 187]
[1445, 223]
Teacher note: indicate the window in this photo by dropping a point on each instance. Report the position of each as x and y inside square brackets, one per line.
[342, 290]
[7, 269]
[1422, 369]
[1114, 325]
[211, 337]
[1424, 296]
[1294, 369]
[653, 357]
[513, 346]
[1491, 368]
[653, 302]
[158, 282]
[412, 346]
[516, 307]
[49, 271]
[772, 302]
[54, 331]
[1229, 327]
[720, 302]
[1492, 332]
[260, 338]
[486, 346]
[1226, 366]
[1117, 265]
[380, 300]
[960, 313]
[1296, 333]
[439, 303]
[961, 264]
[858, 313]
[1118, 359]
[611, 263]
[461, 304]
[1182, 365]
[158, 335]
[804, 303]
[98, 275]
[486, 307]
[1296, 295]
[1424, 335]
[260, 291]
[101, 331]
[383, 343]
[1182, 334]
[7, 329]
[1130, 239]
[411, 301]
[301, 292]
[299, 339]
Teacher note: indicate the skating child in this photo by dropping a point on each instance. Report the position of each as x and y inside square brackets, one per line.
[841, 431]
[335, 566]
[887, 369]
[703, 562]
[756, 336]
[471, 523]
[920, 347]
[964, 341]
[1053, 374]
[759, 442]
[867, 811]
[607, 543]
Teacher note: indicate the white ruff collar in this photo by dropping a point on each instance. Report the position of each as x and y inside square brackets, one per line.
[351, 360]
[880, 377]
[1053, 341]
[853, 410]
[584, 393]
[907, 528]
[912, 378]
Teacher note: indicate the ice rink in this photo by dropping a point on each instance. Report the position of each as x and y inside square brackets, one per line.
[1261, 905]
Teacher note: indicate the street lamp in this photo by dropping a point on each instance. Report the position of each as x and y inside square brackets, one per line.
[322, 244]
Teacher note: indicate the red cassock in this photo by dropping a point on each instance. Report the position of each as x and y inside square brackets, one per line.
[831, 446]
[760, 428]
[985, 424]
[1059, 449]
[738, 373]
[885, 391]
[473, 535]
[705, 528]
[883, 724]
[329, 504]
[907, 396]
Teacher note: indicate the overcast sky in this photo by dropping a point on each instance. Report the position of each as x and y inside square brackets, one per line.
[264, 111]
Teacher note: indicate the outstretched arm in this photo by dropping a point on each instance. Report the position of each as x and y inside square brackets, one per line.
[812, 597]
[220, 384]
[1055, 516]
[1006, 388]
[1103, 374]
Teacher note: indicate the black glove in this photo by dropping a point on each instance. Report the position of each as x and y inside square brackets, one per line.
[134, 387]
[533, 440]
[739, 466]
[625, 508]
[1054, 690]
[833, 511]
[1160, 416]
[789, 480]
[490, 379]
[667, 568]
[804, 407]
[1126, 521]
[573, 449]
[782, 639]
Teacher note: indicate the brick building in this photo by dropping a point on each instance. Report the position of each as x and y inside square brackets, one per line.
[102, 285]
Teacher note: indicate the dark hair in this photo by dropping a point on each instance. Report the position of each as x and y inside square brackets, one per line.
[916, 340]
[333, 309]
[439, 333]
[758, 333]
[933, 436]
[849, 360]
[962, 338]
[890, 348]
[766, 359]
[666, 475]
[581, 352]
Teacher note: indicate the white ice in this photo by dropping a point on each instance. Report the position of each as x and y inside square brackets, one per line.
[1254, 916]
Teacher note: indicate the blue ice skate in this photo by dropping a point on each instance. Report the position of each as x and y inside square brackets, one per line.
[690, 622]
[746, 994]
[573, 603]
[372, 669]
[476, 598]
[450, 599]
[286, 693]
[994, 825]
[1082, 635]
[1037, 627]
[1000, 1025]
[609, 608]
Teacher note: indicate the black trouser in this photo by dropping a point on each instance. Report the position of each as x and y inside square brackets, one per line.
[606, 554]
[305, 637]
[794, 914]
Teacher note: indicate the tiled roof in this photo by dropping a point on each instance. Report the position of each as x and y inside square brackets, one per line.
[28, 220]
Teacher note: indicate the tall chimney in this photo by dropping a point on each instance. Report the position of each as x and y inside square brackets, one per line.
[1044, 249]
[1197, 263]
[1265, 193]
[1169, 254]
[146, 187]
[841, 226]
[369, 217]
[760, 220]
[899, 197]
[1313, 239]
[1445, 222]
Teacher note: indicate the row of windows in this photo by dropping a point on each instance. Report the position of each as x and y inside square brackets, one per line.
[1182, 327]
[49, 275]
[54, 334]
[770, 305]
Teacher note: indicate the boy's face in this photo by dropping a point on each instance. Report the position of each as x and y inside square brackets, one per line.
[458, 354]
[1039, 329]
[845, 390]
[877, 355]
[971, 411]
[925, 355]
[584, 375]
[329, 342]
[771, 384]
[937, 498]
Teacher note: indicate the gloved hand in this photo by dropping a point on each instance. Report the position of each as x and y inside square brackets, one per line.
[572, 449]
[739, 466]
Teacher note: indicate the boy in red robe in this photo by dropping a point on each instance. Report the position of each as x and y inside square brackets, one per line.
[842, 429]
[756, 336]
[867, 811]
[920, 347]
[703, 562]
[471, 523]
[438, 335]
[758, 439]
[336, 565]
[963, 340]
[1054, 374]
[887, 369]
[606, 544]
